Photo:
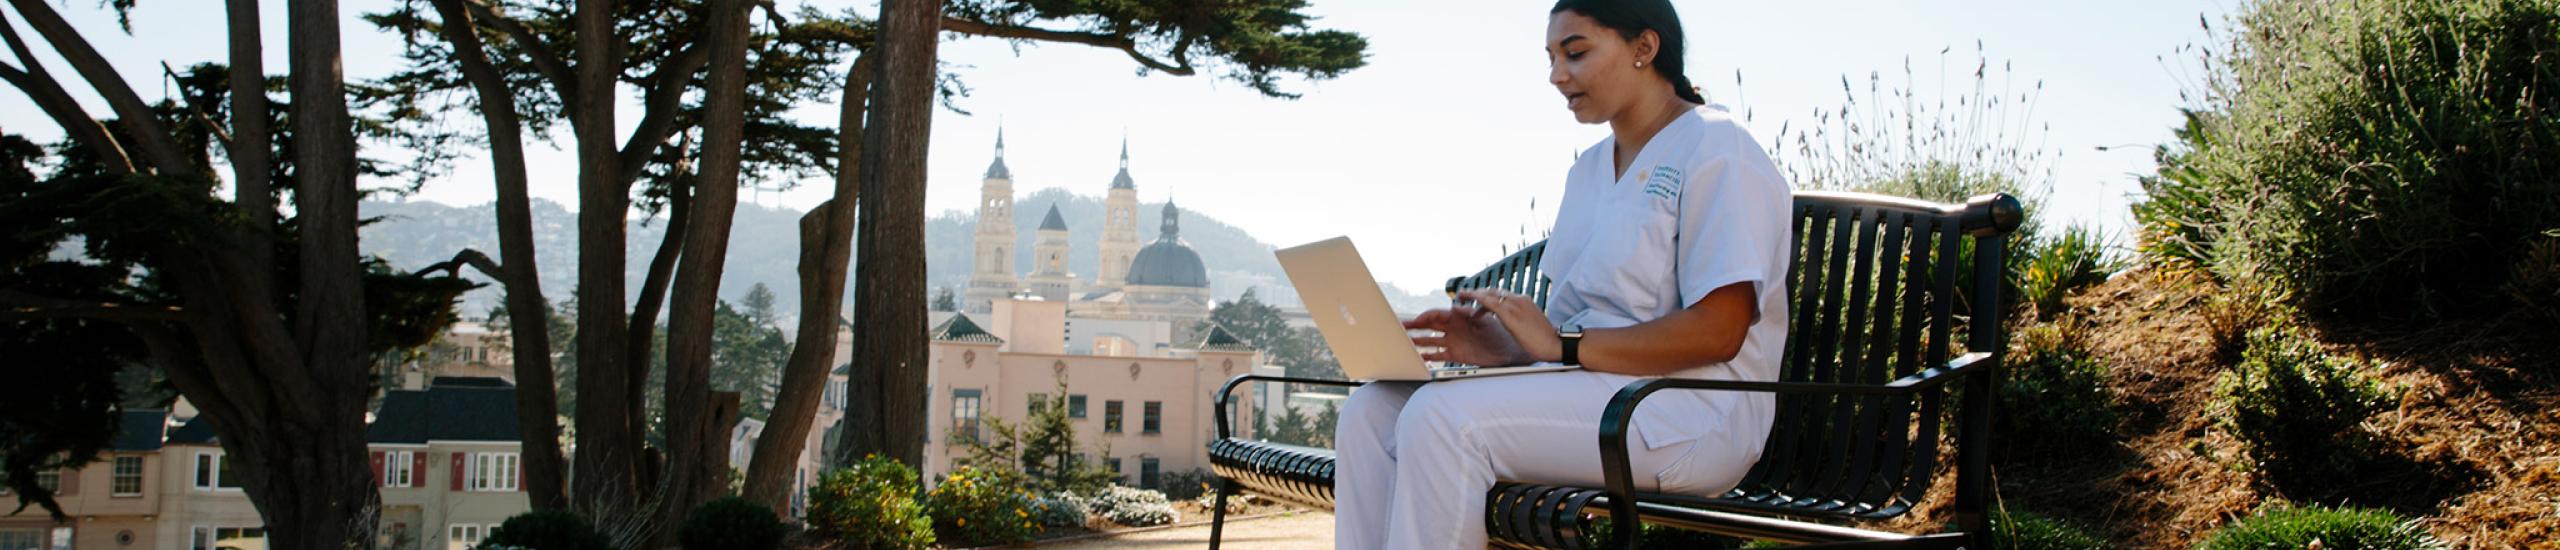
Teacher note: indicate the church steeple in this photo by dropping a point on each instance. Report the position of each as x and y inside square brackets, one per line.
[1120, 225]
[991, 274]
[1123, 181]
[997, 170]
[1172, 230]
[1049, 276]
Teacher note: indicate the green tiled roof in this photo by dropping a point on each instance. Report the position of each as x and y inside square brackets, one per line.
[1218, 339]
[961, 329]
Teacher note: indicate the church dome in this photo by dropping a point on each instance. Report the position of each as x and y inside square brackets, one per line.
[1169, 262]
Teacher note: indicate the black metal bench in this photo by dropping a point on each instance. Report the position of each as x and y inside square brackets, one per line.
[1876, 295]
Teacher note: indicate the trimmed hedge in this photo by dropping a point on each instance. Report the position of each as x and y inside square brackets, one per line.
[547, 530]
[731, 523]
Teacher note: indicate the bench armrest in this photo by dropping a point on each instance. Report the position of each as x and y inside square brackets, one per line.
[1620, 415]
[1229, 389]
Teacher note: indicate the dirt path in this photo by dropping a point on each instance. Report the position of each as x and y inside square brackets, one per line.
[1288, 530]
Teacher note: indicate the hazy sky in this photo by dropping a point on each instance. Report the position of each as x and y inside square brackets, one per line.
[1431, 156]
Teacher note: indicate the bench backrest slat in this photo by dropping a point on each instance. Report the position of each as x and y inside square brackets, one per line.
[1871, 307]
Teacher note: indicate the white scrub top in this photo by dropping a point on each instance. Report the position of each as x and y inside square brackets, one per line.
[1701, 207]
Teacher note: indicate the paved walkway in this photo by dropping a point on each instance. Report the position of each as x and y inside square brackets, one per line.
[1286, 531]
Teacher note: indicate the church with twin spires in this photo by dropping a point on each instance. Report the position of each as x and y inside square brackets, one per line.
[1163, 281]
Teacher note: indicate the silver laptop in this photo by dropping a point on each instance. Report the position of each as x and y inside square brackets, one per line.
[1357, 323]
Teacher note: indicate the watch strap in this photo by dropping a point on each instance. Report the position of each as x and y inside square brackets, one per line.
[1572, 347]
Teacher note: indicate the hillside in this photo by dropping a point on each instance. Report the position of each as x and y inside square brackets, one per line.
[2467, 448]
[765, 246]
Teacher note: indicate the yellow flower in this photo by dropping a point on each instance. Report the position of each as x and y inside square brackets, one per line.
[963, 522]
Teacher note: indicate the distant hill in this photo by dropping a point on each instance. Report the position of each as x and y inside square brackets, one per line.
[764, 247]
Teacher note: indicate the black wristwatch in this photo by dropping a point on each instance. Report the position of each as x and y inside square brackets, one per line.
[1571, 334]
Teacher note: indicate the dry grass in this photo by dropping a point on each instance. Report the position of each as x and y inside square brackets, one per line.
[2473, 447]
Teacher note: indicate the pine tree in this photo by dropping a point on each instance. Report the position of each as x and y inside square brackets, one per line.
[1042, 448]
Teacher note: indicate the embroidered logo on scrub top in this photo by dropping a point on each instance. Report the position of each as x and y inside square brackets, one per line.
[1664, 183]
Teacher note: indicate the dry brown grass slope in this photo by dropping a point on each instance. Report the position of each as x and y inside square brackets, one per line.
[2472, 448]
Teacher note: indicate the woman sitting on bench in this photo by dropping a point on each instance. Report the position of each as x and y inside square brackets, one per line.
[1668, 258]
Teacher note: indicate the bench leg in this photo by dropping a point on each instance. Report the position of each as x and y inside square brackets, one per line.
[1218, 514]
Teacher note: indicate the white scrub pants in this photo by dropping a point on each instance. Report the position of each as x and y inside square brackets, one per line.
[1415, 460]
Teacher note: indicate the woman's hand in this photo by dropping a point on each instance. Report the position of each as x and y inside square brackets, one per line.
[1500, 329]
[1524, 320]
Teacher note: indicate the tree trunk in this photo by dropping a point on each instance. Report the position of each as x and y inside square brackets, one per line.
[249, 138]
[287, 405]
[528, 312]
[890, 294]
[694, 463]
[826, 247]
[325, 453]
[662, 267]
[610, 448]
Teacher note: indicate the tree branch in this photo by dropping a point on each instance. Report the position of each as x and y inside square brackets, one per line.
[1181, 66]
[252, 145]
[15, 305]
[658, 108]
[662, 265]
[157, 144]
[220, 135]
[545, 60]
[57, 103]
[469, 257]
[773, 15]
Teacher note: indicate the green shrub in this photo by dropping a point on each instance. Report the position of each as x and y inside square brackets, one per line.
[980, 507]
[731, 524]
[1134, 507]
[869, 505]
[1188, 484]
[2054, 400]
[2025, 531]
[2299, 411]
[2052, 267]
[546, 530]
[2303, 527]
[2231, 312]
[2372, 160]
[1060, 509]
